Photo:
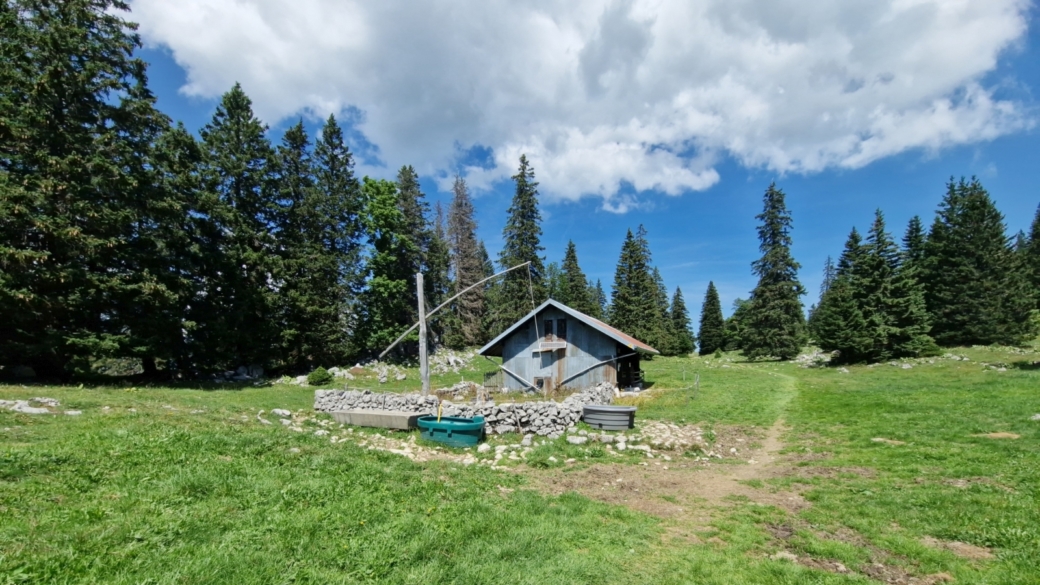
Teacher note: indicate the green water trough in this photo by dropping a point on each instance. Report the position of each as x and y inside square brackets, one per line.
[452, 430]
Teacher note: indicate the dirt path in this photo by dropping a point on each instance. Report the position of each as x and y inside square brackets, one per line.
[686, 492]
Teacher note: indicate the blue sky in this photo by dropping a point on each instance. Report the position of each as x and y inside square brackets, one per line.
[699, 199]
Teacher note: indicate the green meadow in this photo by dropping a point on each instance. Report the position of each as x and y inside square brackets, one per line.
[902, 477]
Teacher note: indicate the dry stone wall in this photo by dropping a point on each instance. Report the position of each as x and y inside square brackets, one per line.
[544, 418]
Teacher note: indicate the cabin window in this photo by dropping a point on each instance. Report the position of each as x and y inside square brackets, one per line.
[561, 329]
[548, 329]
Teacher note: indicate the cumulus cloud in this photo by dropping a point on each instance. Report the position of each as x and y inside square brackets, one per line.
[604, 94]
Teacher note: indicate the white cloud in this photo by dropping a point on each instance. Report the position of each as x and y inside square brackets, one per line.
[601, 93]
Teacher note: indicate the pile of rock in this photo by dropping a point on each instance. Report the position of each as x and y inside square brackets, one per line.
[446, 360]
[30, 406]
[814, 358]
[460, 389]
[543, 418]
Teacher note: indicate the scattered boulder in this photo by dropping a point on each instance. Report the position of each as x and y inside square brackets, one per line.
[281, 412]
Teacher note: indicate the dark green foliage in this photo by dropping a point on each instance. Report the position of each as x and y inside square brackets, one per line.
[635, 302]
[319, 233]
[522, 243]
[830, 272]
[554, 283]
[736, 325]
[1031, 260]
[391, 282]
[319, 377]
[436, 278]
[237, 172]
[468, 258]
[913, 242]
[872, 287]
[683, 341]
[840, 326]
[973, 291]
[599, 301]
[576, 291]
[711, 335]
[775, 322]
[77, 197]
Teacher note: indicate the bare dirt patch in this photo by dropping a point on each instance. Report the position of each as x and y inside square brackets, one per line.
[683, 488]
[1000, 435]
[961, 549]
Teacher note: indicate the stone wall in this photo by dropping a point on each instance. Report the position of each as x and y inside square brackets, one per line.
[544, 418]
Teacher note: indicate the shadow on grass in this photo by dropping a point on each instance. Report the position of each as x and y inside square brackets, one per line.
[1026, 365]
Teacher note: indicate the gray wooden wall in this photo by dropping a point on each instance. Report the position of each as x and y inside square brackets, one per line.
[585, 347]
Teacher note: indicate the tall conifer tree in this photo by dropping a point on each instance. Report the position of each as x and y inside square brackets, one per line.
[467, 266]
[238, 172]
[522, 243]
[634, 307]
[577, 293]
[1032, 258]
[776, 324]
[683, 339]
[77, 127]
[974, 293]
[711, 335]
[838, 322]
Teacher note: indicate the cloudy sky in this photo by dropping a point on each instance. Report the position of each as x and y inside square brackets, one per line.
[675, 114]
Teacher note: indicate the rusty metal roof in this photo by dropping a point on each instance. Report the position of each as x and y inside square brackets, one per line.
[494, 347]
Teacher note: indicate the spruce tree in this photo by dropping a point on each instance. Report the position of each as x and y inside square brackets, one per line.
[336, 212]
[238, 172]
[913, 242]
[736, 325]
[521, 243]
[838, 321]
[467, 266]
[665, 340]
[576, 288]
[830, 272]
[1031, 249]
[634, 306]
[437, 277]
[77, 129]
[554, 283]
[872, 278]
[711, 334]
[974, 293]
[683, 339]
[599, 304]
[775, 322]
[411, 202]
[386, 312]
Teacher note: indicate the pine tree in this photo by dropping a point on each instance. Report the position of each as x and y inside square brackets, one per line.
[830, 272]
[522, 243]
[238, 172]
[664, 338]
[838, 321]
[1032, 258]
[599, 304]
[77, 129]
[776, 324]
[385, 300]
[411, 202]
[554, 288]
[336, 213]
[913, 242]
[576, 287]
[634, 307]
[735, 326]
[436, 276]
[974, 293]
[684, 340]
[872, 287]
[467, 266]
[840, 325]
[711, 334]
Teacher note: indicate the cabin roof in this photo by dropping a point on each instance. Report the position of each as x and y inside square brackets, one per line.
[494, 347]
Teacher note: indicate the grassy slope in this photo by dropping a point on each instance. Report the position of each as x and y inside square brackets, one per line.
[172, 497]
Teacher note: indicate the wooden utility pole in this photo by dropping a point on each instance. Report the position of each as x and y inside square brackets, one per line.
[424, 361]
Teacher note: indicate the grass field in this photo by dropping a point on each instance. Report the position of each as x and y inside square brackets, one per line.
[185, 486]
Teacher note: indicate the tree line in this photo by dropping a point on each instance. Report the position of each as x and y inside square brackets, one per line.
[964, 282]
[124, 235]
